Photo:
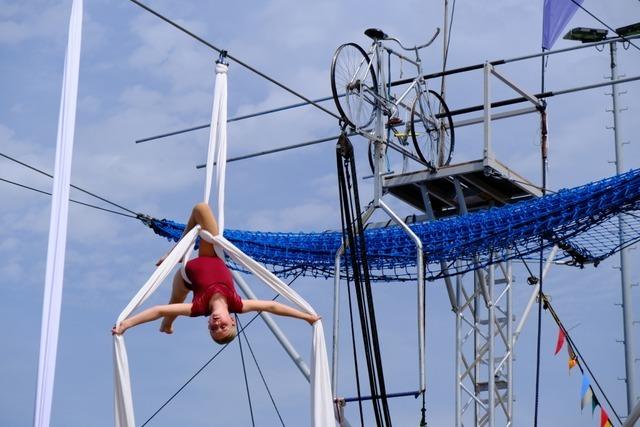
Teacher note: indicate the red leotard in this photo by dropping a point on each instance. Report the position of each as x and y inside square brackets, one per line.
[209, 275]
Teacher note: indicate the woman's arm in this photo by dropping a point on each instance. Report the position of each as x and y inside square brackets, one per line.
[277, 308]
[153, 313]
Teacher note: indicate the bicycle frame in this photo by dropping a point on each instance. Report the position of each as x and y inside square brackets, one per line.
[418, 84]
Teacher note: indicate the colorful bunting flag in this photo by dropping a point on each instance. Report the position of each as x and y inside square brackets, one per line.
[594, 404]
[560, 341]
[573, 359]
[586, 399]
[584, 390]
[604, 418]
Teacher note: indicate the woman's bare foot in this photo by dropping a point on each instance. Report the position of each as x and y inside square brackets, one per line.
[166, 326]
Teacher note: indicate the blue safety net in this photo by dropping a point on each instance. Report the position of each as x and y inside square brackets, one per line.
[582, 221]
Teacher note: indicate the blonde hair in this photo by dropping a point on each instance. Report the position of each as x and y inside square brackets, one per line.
[233, 332]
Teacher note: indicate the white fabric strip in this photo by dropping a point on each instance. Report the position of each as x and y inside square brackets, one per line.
[322, 414]
[124, 414]
[217, 153]
[58, 224]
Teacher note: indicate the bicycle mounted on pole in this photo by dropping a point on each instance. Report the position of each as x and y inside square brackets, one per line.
[360, 98]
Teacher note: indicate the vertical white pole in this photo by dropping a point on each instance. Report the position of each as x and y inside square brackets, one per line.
[336, 322]
[510, 344]
[488, 153]
[458, 419]
[491, 380]
[627, 309]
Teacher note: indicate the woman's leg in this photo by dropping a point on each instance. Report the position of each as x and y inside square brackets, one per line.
[179, 293]
[202, 215]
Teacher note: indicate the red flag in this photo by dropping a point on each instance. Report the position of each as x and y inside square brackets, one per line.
[604, 418]
[560, 341]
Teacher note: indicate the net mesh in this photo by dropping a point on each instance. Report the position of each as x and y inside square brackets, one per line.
[582, 221]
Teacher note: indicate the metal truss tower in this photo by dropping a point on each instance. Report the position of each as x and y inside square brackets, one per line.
[484, 347]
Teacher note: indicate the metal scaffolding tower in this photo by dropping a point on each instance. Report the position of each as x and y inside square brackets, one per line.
[482, 299]
[484, 347]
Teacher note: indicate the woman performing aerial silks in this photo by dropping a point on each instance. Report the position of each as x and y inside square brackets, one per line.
[214, 293]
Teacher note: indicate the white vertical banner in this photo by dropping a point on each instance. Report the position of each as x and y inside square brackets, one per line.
[58, 224]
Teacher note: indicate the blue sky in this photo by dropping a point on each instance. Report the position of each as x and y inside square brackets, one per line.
[140, 77]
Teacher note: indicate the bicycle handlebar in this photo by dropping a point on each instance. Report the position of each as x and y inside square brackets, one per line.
[378, 34]
[416, 48]
[430, 41]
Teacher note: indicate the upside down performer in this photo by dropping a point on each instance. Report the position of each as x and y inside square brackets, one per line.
[214, 293]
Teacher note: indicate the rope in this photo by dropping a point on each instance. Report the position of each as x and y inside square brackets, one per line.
[549, 307]
[346, 202]
[246, 381]
[71, 200]
[423, 411]
[543, 152]
[264, 381]
[348, 178]
[348, 279]
[72, 186]
[603, 23]
[239, 62]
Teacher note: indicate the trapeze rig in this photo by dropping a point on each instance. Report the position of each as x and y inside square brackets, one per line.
[485, 330]
[484, 319]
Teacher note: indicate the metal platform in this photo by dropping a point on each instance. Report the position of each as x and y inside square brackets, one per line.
[482, 183]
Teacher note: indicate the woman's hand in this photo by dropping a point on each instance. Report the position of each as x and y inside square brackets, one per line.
[119, 329]
[313, 318]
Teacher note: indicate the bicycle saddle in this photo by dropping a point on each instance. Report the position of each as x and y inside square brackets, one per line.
[376, 34]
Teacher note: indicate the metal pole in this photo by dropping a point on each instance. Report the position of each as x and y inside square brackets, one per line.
[627, 312]
[487, 113]
[458, 349]
[379, 133]
[510, 343]
[491, 386]
[421, 292]
[336, 309]
[440, 159]
[634, 415]
[275, 329]
[534, 295]
[445, 37]
[336, 322]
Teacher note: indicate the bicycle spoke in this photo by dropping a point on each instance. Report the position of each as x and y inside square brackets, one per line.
[353, 76]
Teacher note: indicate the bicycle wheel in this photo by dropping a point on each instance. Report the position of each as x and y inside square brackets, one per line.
[354, 85]
[432, 129]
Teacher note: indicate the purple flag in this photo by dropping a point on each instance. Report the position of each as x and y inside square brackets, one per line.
[556, 15]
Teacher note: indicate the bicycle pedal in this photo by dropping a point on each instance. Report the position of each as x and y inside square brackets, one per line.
[394, 121]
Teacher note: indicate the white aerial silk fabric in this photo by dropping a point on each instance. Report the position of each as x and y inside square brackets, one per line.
[58, 224]
[322, 414]
[124, 414]
[216, 156]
